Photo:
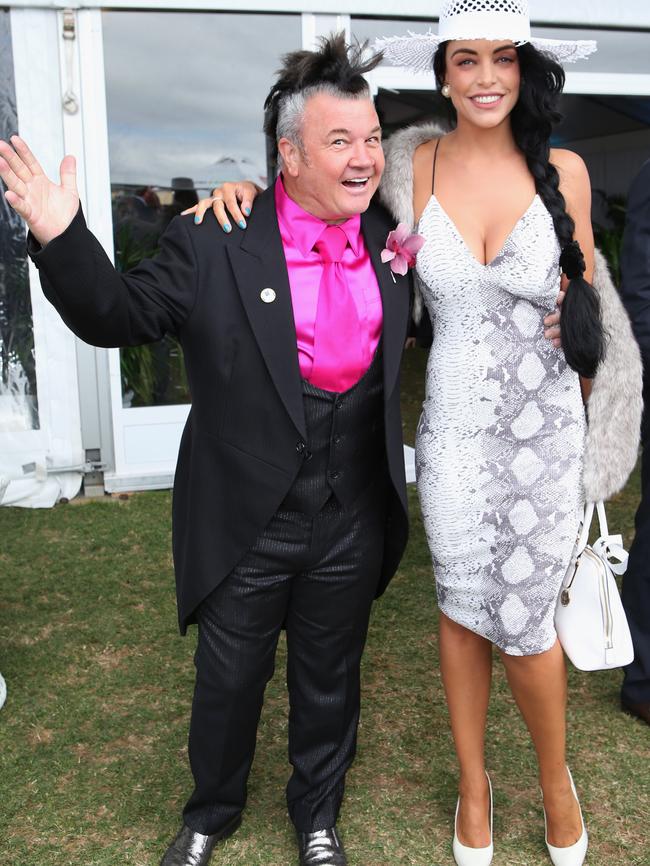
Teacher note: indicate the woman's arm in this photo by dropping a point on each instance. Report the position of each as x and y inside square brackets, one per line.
[576, 189]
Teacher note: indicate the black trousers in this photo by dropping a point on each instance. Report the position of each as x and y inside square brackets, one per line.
[636, 582]
[317, 576]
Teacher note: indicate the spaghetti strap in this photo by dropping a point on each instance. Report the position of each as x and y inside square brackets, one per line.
[433, 172]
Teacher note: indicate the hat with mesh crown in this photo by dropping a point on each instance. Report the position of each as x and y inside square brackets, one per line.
[478, 19]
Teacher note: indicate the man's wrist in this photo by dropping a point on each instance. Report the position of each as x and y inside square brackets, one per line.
[44, 237]
[39, 244]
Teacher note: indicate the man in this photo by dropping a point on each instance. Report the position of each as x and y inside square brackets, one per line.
[289, 499]
[635, 292]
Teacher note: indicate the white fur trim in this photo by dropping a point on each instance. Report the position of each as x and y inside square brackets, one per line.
[396, 188]
[616, 402]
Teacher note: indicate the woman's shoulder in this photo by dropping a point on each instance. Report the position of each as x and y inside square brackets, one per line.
[574, 176]
[424, 152]
[569, 163]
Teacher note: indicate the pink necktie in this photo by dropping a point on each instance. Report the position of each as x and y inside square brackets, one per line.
[336, 331]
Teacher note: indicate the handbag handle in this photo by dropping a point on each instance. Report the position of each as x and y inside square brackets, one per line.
[588, 516]
[585, 526]
[602, 519]
[607, 546]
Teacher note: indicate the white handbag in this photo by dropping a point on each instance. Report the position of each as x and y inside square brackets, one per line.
[589, 616]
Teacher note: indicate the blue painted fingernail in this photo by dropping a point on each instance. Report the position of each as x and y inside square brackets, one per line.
[242, 224]
[247, 211]
[227, 227]
[197, 219]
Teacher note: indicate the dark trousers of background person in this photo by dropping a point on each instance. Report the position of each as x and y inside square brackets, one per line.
[324, 601]
[636, 583]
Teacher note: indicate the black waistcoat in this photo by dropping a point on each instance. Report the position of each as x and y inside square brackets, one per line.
[346, 447]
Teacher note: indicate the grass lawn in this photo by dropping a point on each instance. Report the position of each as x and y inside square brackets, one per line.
[93, 766]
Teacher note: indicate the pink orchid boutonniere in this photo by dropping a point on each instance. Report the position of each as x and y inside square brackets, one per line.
[402, 247]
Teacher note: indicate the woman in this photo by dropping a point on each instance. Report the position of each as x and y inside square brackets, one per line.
[501, 442]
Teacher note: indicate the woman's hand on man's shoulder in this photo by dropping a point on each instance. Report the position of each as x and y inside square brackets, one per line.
[230, 202]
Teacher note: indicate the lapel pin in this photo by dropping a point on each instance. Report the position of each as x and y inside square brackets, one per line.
[267, 295]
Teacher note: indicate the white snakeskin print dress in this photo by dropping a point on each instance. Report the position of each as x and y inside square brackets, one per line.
[500, 442]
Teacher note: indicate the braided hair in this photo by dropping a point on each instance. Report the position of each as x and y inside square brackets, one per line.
[532, 120]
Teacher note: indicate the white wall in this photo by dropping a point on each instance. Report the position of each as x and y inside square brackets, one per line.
[614, 13]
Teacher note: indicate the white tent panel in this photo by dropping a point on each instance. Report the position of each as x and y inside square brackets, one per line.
[39, 466]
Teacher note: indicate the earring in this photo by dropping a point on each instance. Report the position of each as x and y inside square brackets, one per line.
[446, 91]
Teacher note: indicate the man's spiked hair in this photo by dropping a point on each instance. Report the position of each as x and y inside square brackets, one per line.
[336, 68]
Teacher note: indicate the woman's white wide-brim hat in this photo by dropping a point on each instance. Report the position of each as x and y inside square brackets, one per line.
[478, 19]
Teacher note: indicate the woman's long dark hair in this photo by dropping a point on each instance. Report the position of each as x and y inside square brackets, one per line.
[533, 119]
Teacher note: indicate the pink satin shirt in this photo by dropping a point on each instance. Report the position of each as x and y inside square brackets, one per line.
[299, 231]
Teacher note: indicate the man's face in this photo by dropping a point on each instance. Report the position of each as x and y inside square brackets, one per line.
[337, 173]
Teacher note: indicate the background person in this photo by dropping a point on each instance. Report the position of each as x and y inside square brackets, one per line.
[635, 291]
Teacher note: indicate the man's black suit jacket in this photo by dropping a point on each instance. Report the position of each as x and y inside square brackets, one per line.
[635, 262]
[241, 447]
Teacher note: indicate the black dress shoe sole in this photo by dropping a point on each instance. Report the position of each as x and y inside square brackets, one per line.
[173, 853]
[335, 856]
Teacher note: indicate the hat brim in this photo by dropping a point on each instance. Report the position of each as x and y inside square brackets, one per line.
[416, 50]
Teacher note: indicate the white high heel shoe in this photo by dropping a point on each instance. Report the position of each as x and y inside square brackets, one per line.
[463, 854]
[572, 855]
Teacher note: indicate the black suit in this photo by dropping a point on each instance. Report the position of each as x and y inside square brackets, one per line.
[242, 449]
[635, 292]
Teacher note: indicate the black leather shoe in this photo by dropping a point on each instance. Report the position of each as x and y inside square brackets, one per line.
[321, 848]
[190, 848]
[641, 711]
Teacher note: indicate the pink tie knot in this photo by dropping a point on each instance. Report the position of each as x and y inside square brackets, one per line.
[331, 244]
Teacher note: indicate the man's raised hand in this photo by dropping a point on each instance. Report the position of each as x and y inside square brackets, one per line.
[47, 208]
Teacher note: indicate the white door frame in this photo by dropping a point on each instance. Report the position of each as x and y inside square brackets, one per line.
[144, 440]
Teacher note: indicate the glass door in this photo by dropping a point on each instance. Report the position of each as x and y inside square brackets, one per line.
[183, 106]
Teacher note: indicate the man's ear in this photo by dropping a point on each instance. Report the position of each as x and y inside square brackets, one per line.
[291, 156]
